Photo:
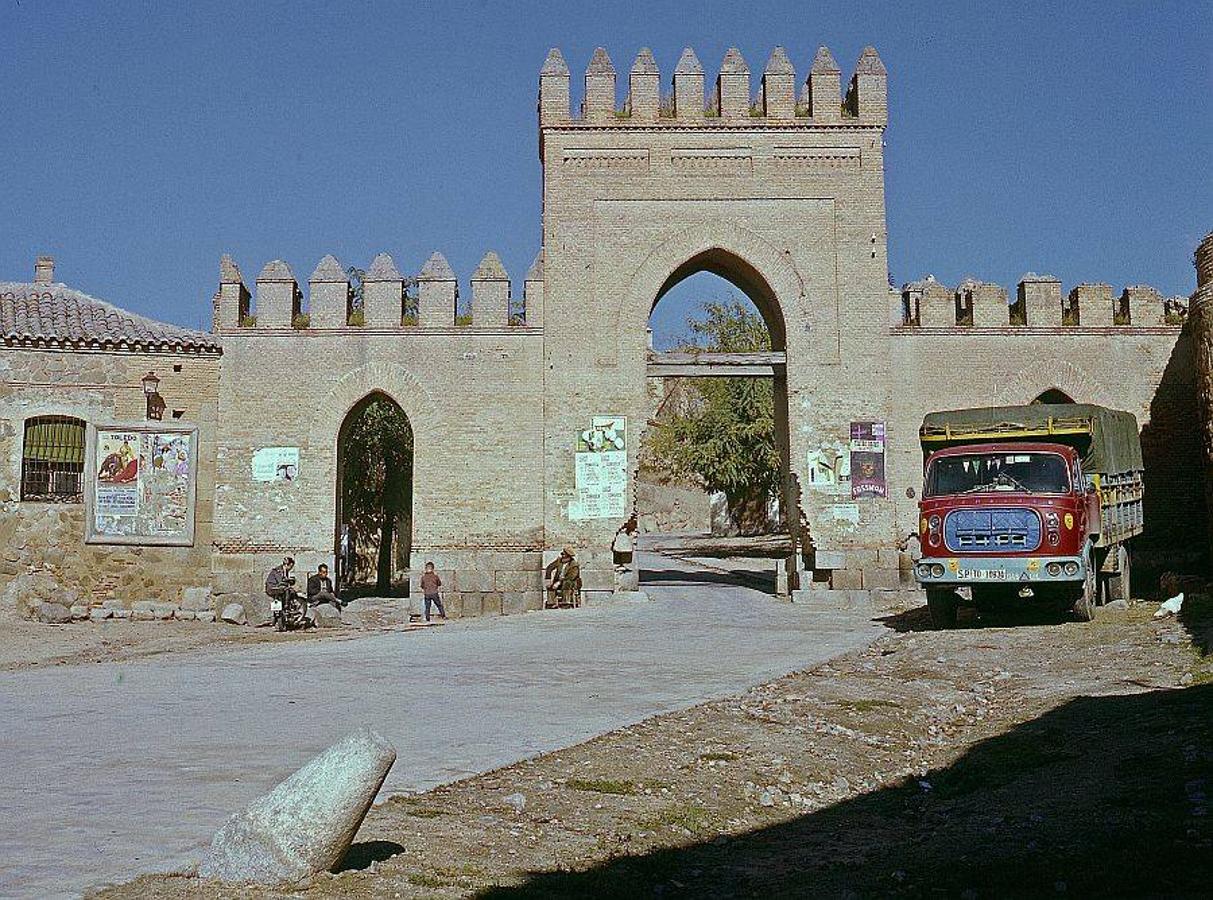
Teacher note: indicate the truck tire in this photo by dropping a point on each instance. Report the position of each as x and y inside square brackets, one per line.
[1088, 597]
[1119, 582]
[942, 604]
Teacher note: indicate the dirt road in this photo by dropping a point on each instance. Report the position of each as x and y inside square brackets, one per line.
[1035, 760]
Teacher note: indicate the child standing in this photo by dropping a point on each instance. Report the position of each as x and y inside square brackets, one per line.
[431, 585]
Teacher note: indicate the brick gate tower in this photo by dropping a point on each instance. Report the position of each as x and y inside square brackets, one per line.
[783, 196]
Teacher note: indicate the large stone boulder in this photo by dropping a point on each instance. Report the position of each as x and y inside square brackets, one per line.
[53, 613]
[233, 614]
[306, 824]
[196, 598]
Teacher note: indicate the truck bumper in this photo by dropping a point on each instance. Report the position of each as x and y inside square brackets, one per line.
[955, 570]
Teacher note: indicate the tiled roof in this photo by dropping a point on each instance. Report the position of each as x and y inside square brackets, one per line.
[53, 315]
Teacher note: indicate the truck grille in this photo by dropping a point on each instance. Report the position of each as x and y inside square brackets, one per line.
[991, 530]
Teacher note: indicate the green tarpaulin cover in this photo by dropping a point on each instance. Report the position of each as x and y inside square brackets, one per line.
[1107, 438]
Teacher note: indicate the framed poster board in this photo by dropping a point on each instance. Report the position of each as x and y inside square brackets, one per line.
[140, 484]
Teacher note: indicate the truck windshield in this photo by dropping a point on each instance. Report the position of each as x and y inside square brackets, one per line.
[980, 473]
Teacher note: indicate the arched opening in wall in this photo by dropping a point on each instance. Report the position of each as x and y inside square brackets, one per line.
[374, 531]
[1053, 395]
[713, 459]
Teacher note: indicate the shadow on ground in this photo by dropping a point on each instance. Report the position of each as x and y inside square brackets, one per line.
[363, 854]
[1103, 796]
[919, 619]
[693, 575]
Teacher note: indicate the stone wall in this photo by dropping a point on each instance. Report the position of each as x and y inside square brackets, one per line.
[1148, 371]
[1201, 327]
[787, 202]
[473, 396]
[100, 388]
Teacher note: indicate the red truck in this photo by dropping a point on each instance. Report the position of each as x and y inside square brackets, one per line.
[1027, 503]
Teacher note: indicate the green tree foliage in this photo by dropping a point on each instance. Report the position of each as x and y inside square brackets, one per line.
[377, 479]
[724, 436]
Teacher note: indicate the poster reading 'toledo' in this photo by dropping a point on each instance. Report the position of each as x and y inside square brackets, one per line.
[140, 487]
[867, 460]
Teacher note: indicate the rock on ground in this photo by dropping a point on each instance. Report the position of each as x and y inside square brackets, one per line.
[233, 613]
[306, 824]
[53, 613]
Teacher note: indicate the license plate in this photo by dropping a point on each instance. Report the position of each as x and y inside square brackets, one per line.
[276, 606]
[983, 574]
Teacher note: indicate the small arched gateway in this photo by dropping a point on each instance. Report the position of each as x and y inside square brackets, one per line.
[374, 530]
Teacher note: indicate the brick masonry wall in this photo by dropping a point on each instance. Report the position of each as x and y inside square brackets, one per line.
[101, 388]
[474, 399]
[1147, 371]
[794, 214]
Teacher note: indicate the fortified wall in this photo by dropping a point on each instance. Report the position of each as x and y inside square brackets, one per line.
[774, 181]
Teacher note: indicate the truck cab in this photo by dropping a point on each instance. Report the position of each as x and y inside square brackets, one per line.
[1009, 516]
[1005, 514]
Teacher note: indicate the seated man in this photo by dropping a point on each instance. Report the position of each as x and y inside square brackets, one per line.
[320, 589]
[280, 585]
[279, 581]
[565, 575]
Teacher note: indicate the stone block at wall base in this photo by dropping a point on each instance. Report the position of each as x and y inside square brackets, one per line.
[532, 601]
[827, 599]
[517, 581]
[472, 580]
[881, 579]
[196, 598]
[846, 580]
[513, 603]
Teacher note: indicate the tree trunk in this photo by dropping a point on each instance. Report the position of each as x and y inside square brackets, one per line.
[748, 512]
[383, 577]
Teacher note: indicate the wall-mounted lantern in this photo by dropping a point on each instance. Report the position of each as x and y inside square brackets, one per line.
[155, 403]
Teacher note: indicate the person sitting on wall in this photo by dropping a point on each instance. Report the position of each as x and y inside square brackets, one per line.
[564, 574]
[320, 589]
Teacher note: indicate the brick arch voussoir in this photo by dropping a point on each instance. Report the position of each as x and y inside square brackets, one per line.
[775, 267]
[1031, 382]
[393, 381]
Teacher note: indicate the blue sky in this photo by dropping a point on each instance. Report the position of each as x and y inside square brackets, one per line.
[141, 140]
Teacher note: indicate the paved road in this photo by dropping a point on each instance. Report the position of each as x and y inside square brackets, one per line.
[112, 769]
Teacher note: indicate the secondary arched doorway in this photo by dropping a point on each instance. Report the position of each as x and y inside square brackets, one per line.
[374, 496]
[1053, 395]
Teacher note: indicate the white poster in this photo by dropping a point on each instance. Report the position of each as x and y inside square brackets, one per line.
[601, 470]
[276, 464]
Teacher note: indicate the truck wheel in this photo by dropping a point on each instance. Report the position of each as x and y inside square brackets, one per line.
[1084, 606]
[942, 603]
[1119, 587]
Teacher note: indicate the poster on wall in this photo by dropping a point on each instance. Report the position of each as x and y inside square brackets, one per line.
[601, 470]
[829, 467]
[140, 485]
[867, 460]
[276, 464]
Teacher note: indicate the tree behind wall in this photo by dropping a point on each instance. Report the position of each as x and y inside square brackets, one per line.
[377, 481]
[724, 437]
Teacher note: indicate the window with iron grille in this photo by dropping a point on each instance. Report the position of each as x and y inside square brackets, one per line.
[52, 460]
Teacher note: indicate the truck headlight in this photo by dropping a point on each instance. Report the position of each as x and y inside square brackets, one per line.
[1054, 569]
[937, 570]
[1071, 568]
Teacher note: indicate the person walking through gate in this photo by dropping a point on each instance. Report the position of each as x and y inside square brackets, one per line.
[431, 585]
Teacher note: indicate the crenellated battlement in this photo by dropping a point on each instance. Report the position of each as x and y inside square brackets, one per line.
[1039, 303]
[384, 300]
[733, 100]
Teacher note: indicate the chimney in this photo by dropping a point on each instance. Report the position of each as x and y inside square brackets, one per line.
[44, 270]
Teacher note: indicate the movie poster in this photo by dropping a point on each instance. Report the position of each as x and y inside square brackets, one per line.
[141, 486]
[601, 470]
[867, 460]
